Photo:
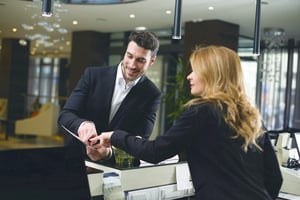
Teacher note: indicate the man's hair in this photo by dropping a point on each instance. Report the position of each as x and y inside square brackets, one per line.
[145, 39]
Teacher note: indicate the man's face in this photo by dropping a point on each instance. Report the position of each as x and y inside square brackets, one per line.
[136, 61]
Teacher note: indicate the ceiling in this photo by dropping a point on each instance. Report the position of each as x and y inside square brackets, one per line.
[54, 34]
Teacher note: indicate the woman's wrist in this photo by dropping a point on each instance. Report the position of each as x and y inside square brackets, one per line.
[109, 154]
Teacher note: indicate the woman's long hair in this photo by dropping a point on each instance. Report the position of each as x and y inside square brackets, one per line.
[221, 72]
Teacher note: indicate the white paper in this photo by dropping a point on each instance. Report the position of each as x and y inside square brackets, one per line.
[183, 177]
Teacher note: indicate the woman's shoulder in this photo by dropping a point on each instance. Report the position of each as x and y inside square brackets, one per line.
[207, 109]
[203, 105]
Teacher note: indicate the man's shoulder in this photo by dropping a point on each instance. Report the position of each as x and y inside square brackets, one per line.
[150, 84]
[101, 70]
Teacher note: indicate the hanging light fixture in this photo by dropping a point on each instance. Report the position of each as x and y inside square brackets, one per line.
[256, 44]
[47, 8]
[177, 21]
[274, 37]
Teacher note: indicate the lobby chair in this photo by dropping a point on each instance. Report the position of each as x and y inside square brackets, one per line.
[44, 123]
[3, 109]
[3, 114]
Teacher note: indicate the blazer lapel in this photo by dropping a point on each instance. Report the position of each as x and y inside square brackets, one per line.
[125, 105]
[108, 89]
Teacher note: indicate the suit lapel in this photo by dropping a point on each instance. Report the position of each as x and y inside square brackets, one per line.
[126, 103]
[108, 89]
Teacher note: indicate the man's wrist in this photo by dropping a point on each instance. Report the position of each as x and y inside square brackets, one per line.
[86, 122]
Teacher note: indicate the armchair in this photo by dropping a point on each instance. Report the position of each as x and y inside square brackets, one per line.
[3, 109]
[42, 124]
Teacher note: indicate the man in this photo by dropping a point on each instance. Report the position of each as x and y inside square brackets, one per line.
[115, 97]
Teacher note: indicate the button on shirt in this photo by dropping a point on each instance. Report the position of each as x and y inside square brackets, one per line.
[120, 91]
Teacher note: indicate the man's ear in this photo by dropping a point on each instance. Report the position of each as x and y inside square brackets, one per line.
[152, 60]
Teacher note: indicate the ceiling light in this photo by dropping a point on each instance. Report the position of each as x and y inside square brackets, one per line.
[256, 43]
[168, 12]
[211, 8]
[56, 25]
[274, 37]
[14, 30]
[274, 32]
[47, 8]
[140, 28]
[197, 20]
[27, 27]
[49, 28]
[75, 22]
[23, 42]
[62, 30]
[177, 21]
[132, 16]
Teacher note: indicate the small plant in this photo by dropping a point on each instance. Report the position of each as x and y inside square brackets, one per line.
[177, 93]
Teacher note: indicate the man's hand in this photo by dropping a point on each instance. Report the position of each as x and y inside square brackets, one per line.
[98, 152]
[86, 131]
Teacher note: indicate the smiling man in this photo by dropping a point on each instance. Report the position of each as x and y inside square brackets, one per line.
[115, 97]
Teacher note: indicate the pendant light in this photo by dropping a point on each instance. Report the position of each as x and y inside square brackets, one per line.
[177, 20]
[256, 44]
[47, 8]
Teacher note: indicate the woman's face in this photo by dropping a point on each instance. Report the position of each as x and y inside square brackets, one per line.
[196, 84]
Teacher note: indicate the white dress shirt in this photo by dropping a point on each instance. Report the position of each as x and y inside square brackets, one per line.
[120, 91]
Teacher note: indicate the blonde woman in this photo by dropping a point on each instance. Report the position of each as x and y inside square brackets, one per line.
[229, 154]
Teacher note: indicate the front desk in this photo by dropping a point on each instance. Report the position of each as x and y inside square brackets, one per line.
[149, 182]
[290, 188]
[171, 181]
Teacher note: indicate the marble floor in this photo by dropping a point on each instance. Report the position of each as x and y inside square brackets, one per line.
[21, 142]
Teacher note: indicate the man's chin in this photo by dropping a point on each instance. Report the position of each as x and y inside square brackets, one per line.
[132, 77]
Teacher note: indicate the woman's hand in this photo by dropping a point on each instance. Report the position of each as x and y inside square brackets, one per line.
[105, 138]
[100, 146]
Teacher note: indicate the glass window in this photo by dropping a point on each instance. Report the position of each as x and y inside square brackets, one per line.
[295, 103]
[43, 80]
[273, 82]
[250, 74]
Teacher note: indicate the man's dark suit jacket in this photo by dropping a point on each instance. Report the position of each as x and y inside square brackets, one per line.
[91, 100]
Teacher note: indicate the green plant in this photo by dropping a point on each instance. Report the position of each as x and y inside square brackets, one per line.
[177, 92]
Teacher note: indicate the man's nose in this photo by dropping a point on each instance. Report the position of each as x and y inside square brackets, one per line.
[132, 63]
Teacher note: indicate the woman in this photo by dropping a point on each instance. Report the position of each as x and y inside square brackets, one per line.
[229, 154]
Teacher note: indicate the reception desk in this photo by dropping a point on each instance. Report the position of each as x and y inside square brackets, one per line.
[291, 181]
[167, 181]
